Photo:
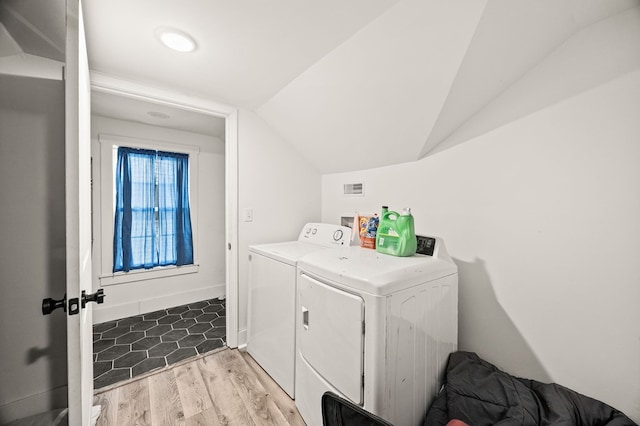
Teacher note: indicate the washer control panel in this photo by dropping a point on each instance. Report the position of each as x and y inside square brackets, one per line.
[325, 234]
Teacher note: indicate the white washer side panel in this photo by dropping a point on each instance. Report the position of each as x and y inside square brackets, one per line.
[271, 327]
[331, 334]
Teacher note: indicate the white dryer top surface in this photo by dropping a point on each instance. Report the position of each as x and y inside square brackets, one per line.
[379, 274]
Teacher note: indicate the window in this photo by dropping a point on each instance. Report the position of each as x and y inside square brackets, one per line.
[152, 225]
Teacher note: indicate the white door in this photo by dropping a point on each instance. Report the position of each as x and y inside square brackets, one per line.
[78, 219]
[331, 335]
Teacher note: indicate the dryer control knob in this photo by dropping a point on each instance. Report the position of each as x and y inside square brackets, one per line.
[337, 236]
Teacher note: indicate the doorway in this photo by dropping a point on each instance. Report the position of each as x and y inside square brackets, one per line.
[130, 347]
[123, 108]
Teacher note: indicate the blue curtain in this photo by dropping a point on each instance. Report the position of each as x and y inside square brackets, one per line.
[175, 240]
[152, 217]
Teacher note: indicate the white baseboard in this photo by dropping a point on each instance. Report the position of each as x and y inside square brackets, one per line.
[109, 312]
[34, 404]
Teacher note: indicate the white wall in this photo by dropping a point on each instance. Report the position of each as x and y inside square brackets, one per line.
[132, 298]
[282, 189]
[542, 217]
[33, 373]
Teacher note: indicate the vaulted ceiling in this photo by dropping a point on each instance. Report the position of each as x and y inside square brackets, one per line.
[32, 38]
[360, 83]
[428, 75]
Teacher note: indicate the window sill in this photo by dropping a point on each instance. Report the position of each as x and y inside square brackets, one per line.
[146, 274]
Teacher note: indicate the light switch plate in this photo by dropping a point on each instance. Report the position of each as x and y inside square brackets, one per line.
[247, 215]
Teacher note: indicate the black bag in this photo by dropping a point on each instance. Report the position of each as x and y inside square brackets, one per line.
[337, 411]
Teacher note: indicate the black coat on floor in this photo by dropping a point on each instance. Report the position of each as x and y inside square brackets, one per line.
[479, 394]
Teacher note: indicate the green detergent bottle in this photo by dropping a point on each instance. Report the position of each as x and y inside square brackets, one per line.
[396, 233]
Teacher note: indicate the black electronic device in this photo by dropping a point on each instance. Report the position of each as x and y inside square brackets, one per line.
[426, 245]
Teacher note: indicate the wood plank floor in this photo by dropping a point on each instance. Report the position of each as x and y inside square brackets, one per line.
[223, 388]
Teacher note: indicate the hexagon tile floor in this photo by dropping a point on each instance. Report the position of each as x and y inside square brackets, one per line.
[129, 347]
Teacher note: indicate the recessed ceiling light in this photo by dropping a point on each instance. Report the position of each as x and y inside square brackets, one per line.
[176, 39]
[156, 114]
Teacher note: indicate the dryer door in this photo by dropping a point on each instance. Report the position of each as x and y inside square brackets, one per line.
[331, 335]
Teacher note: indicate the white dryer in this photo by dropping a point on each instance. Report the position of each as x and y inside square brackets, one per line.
[272, 297]
[375, 329]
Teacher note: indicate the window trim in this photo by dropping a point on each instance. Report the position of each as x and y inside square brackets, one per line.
[107, 204]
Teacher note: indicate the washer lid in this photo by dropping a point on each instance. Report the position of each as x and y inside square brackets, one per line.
[372, 272]
[288, 252]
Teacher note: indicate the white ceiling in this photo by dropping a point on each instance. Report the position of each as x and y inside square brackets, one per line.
[36, 25]
[373, 100]
[512, 42]
[403, 86]
[32, 38]
[247, 49]
[130, 109]
[353, 84]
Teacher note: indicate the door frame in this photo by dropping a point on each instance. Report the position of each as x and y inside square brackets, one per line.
[112, 85]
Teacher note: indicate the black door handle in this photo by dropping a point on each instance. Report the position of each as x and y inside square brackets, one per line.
[49, 305]
[97, 297]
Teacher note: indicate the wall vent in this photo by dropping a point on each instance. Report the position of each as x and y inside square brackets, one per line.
[354, 189]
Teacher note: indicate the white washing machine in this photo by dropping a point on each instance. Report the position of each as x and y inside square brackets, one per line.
[375, 329]
[272, 297]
